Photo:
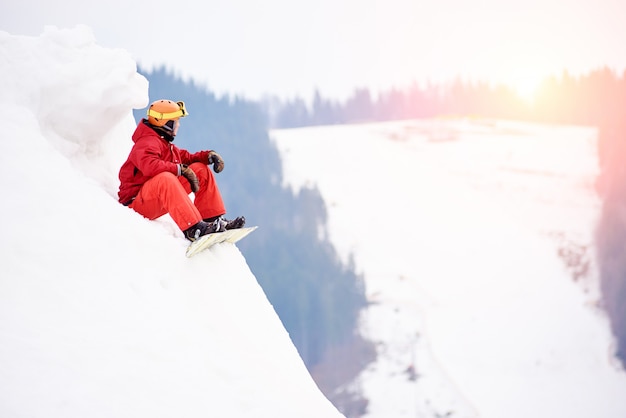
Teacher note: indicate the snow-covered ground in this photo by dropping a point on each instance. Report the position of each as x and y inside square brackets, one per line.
[468, 232]
[475, 240]
[101, 313]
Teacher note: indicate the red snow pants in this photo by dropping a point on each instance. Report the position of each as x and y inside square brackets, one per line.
[166, 193]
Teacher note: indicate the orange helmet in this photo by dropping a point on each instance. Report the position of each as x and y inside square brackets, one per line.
[162, 111]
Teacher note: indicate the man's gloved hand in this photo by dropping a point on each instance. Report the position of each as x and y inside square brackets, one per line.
[191, 176]
[216, 160]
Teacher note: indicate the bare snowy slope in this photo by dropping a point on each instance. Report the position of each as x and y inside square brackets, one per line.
[475, 239]
[101, 314]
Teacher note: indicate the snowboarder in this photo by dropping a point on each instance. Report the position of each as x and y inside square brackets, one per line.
[157, 177]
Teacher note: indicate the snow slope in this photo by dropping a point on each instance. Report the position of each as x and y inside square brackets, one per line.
[469, 233]
[101, 314]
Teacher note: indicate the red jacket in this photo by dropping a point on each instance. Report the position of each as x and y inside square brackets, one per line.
[150, 156]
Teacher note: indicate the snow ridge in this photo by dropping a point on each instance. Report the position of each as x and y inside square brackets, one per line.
[101, 313]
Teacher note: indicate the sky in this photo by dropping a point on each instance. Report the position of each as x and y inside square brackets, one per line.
[90, 324]
[288, 48]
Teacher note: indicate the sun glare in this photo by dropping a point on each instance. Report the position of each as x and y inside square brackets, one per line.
[526, 87]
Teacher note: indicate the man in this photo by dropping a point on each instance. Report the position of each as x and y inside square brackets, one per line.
[157, 177]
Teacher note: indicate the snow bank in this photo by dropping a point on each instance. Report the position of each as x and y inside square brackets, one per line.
[101, 314]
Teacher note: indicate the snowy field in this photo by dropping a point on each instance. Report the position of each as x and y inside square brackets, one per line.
[101, 313]
[475, 241]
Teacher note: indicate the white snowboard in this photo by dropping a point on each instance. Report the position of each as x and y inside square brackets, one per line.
[207, 241]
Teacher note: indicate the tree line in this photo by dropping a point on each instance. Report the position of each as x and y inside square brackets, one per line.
[590, 99]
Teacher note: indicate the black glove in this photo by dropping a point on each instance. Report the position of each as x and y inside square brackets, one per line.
[191, 176]
[216, 160]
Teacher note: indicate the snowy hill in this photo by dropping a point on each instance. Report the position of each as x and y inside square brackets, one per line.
[475, 239]
[101, 314]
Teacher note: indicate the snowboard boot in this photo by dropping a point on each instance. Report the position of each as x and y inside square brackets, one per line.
[236, 223]
[204, 228]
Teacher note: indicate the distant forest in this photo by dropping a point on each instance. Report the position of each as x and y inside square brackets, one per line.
[595, 99]
[316, 296]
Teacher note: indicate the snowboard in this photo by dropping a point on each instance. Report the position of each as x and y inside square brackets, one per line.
[207, 241]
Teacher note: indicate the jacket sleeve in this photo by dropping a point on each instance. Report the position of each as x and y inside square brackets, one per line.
[147, 157]
[196, 157]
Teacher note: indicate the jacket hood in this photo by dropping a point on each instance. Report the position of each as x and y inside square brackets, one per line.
[143, 129]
